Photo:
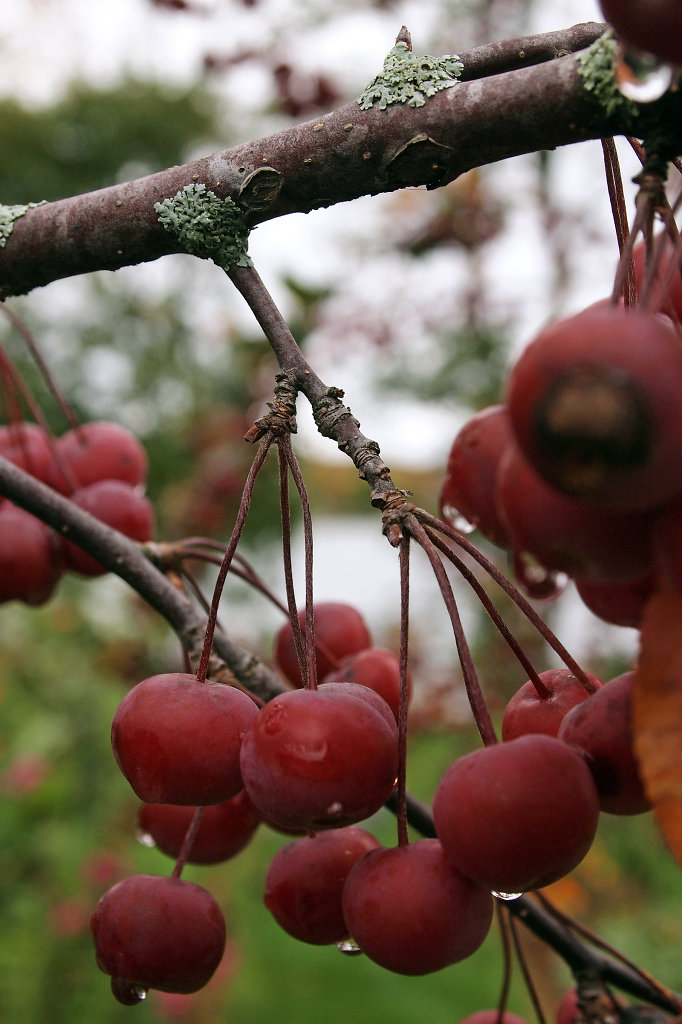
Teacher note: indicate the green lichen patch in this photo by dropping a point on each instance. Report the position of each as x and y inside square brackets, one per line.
[596, 67]
[8, 215]
[407, 78]
[207, 226]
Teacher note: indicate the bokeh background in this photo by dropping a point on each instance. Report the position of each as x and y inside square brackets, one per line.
[414, 303]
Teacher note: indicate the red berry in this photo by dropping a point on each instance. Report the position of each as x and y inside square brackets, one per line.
[667, 543]
[565, 536]
[340, 630]
[493, 1017]
[377, 669]
[594, 403]
[651, 25]
[601, 729]
[518, 815]
[30, 448]
[30, 565]
[177, 740]
[529, 711]
[225, 829]
[621, 604]
[652, 278]
[317, 759]
[157, 932]
[118, 505]
[411, 912]
[305, 880]
[102, 451]
[470, 478]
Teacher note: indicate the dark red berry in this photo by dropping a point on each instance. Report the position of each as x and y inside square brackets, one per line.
[529, 711]
[412, 912]
[102, 451]
[304, 883]
[118, 505]
[157, 932]
[224, 831]
[340, 630]
[177, 740]
[377, 669]
[30, 563]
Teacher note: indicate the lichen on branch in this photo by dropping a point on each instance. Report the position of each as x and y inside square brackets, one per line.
[206, 225]
[408, 78]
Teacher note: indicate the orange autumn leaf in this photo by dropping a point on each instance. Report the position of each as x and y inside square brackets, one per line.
[657, 713]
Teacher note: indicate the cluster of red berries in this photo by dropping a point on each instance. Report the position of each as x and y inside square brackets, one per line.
[581, 466]
[315, 762]
[102, 468]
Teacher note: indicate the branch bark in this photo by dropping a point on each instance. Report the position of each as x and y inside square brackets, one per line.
[337, 158]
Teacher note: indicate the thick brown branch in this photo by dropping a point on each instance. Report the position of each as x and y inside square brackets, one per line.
[345, 154]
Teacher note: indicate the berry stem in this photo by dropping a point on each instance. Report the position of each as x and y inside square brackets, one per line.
[517, 597]
[244, 506]
[300, 642]
[188, 843]
[404, 557]
[543, 691]
[477, 702]
[614, 182]
[525, 970]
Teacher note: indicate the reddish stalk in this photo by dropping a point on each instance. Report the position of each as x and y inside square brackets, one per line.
[614, 183]
[244, 506]
[507, 952]
[479, 708]
[188, 843]
[525, 970]
[404, 556]
[543, 691]
[300, 641]
[519, 600]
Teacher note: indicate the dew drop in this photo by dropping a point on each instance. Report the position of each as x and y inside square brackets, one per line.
[349, 947]
[641, 77]
[334, 808]
[508, 896]
[455, 518]
[538, 583]
[144, 838]
[128, 992]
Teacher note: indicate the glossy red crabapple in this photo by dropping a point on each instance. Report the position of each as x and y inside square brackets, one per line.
[157, 932]
[177, 741]
[101, 450]
[225, 829]
[529, 711]
[119, 506]
[340, 630]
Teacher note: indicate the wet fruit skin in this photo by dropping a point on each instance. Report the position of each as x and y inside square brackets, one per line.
[177, 741]
[317, 759]
[411, 912]
[601, 729]
[158, 932]
[517, 815]
[304, 883]
[340, 630]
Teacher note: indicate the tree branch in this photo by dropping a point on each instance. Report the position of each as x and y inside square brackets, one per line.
[345, 154]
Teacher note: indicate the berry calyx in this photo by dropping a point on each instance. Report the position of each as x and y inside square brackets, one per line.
[517, 815]
[157, 932]
[412, 912]
[177, 741]
[318, 759]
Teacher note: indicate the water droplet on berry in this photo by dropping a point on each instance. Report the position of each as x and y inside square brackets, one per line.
[128, 992]
[455, 518]
[144, 838]
[349, 947]
[508, 896]
[539, 583]
[335, 808]
[641, 77]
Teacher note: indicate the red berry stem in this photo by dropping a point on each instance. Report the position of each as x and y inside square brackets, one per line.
[297, 476]
[525, 971]
[244, 506]
[614, 183]
[404, 558]
[479, 708]
[517, 597]
[188, 842]
[32, 346]
[300, 642]
[543, 691]
[504, 922]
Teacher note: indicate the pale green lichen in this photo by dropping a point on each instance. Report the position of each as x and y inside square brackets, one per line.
[597, 67]
[407, 78]
[8, 215]
[207, 226]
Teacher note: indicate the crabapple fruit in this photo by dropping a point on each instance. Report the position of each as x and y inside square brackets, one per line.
[224, 830]
[340, 630]
[529, 711]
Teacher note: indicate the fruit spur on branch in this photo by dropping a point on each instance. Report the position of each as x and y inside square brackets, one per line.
[577, 471]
